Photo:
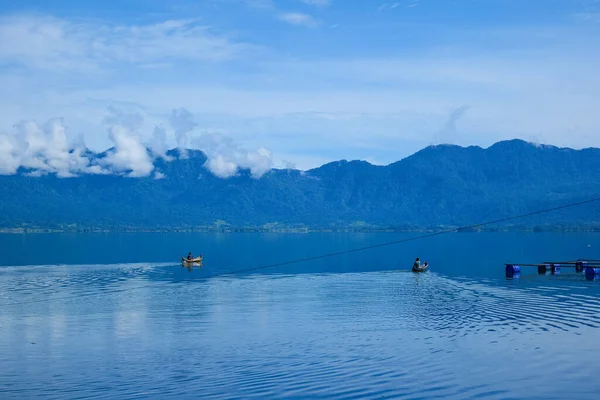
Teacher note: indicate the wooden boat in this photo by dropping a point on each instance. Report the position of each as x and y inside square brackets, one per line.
[192, 261]
[420, 269]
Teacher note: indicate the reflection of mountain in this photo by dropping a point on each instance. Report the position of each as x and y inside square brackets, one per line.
[439, 185]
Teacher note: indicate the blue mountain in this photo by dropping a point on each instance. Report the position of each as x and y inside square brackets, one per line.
[443, 185]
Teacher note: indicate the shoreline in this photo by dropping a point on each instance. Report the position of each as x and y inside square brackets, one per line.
[531, 229]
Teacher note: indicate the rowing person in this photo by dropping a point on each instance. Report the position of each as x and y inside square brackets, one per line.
[190, 256]
[417, 263]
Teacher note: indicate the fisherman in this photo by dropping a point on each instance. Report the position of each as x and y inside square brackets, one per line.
[190, 257]
[417, 263]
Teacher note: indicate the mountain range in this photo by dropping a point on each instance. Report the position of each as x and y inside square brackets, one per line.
[439, 186]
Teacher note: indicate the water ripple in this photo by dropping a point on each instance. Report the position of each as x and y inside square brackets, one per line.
[158, 331]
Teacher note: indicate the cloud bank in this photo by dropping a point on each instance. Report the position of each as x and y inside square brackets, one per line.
[50, 42]
[41, 150]
[312, 94]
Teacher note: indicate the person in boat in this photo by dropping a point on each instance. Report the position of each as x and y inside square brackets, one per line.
[190, 256]
[417, 263]
[426, 264]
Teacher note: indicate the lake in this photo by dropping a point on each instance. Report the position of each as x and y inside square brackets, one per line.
[116, 316]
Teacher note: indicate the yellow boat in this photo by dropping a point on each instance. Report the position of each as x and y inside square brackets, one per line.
[192, 261]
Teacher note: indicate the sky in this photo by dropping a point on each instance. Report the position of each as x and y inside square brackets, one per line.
[291, 83]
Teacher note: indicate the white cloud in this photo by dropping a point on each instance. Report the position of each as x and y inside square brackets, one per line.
[222, 168]
[43, 150]
[54, 43]
[259, 162]
[299, 19]
[225, 157]
[9, 155]
[128, 155]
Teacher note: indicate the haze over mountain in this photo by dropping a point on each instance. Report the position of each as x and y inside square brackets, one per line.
[439, 185]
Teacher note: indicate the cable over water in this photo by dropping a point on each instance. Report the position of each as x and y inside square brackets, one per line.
[327, 255]
[443, 232]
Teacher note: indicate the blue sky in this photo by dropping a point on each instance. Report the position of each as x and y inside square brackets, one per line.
[302, 82]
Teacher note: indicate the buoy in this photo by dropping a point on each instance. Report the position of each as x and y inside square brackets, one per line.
[591, 272]
[513, 270]
[542, 269]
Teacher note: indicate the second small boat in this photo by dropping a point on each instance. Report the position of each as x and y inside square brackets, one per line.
[423, 268]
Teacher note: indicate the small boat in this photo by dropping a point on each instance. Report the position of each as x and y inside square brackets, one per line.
[192, 261]
[420, 269]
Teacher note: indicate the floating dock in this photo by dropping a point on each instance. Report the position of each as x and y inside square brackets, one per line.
[590, 267]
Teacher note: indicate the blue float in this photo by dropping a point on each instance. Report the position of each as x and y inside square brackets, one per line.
[513, 270]
[592, 272]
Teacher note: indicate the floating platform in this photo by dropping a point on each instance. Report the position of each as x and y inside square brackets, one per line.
[590, 267]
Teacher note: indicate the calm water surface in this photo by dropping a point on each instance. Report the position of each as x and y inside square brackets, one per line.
[116, 316]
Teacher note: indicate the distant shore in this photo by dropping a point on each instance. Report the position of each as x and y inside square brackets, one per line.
[283, 230]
